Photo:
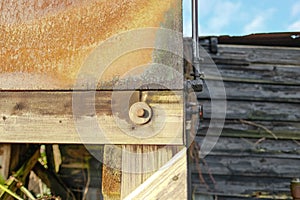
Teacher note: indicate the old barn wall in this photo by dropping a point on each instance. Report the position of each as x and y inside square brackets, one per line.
[258, 152]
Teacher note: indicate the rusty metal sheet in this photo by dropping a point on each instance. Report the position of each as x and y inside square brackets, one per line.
[44, 44]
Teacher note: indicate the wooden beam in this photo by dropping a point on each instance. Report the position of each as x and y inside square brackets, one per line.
[5, 155]
[47, 117]
[169, 182]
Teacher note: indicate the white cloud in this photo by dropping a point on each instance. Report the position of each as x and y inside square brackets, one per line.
[219, 14]
[224, 13]
[294, 26]
[295, 9]
[258, 24]
[206, 8]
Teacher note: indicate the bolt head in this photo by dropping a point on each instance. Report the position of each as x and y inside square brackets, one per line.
[140, 112]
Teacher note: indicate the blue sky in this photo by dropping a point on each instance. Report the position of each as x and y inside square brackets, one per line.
[241, 17]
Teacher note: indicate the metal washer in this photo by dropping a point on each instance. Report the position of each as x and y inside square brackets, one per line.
[140, 113]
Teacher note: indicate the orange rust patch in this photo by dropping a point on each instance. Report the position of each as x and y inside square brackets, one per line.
[53, 39]
[111, 186]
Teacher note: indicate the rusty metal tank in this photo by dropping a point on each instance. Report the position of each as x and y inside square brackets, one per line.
[44, 43]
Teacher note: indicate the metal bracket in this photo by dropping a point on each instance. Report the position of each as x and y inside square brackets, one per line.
[196, 84]
[210, 44]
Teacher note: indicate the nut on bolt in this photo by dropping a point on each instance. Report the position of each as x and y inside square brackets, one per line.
[140, 113]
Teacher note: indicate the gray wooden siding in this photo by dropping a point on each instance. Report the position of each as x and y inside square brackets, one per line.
[263, 93]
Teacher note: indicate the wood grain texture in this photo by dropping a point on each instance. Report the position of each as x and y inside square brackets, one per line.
[139, 162]
[251, 64]
[255, 92]
[269, 148]
[262, 88]
[243, 168]
[235, 128]
[46, 117]
[234, 187]
[111, 172]
[45, 43]
[170, 182]
[262, 111]
[258, 54]
[5, 155]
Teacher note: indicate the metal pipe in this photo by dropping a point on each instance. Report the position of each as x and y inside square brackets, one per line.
[195, 40]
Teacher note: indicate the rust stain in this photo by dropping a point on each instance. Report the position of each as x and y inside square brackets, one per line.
[44, 43]
[112, 180]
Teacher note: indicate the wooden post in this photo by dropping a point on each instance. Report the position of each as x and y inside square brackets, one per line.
[140, 162]
[5, 155]
[169, 182]
[111, 174]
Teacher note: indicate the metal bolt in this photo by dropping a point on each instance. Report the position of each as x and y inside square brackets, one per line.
[140, 112]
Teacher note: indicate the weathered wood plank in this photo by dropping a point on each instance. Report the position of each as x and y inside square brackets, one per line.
[251, 64]
[255, 92]
[246, 54]
[47, 117]
[258, 54]
[263, 111]
[170, 182]
[255, 73]
[139, 162]
[132, 168]
[257, 196]
[231, 164]
[241, 147]
[5, 155]
[262, 87]
[111, 172]
[250, 165]
[246, 187]
[243, 168]
[235, 128]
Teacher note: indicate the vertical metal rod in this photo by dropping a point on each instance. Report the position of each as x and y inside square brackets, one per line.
[197, 74]
[195, 40]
